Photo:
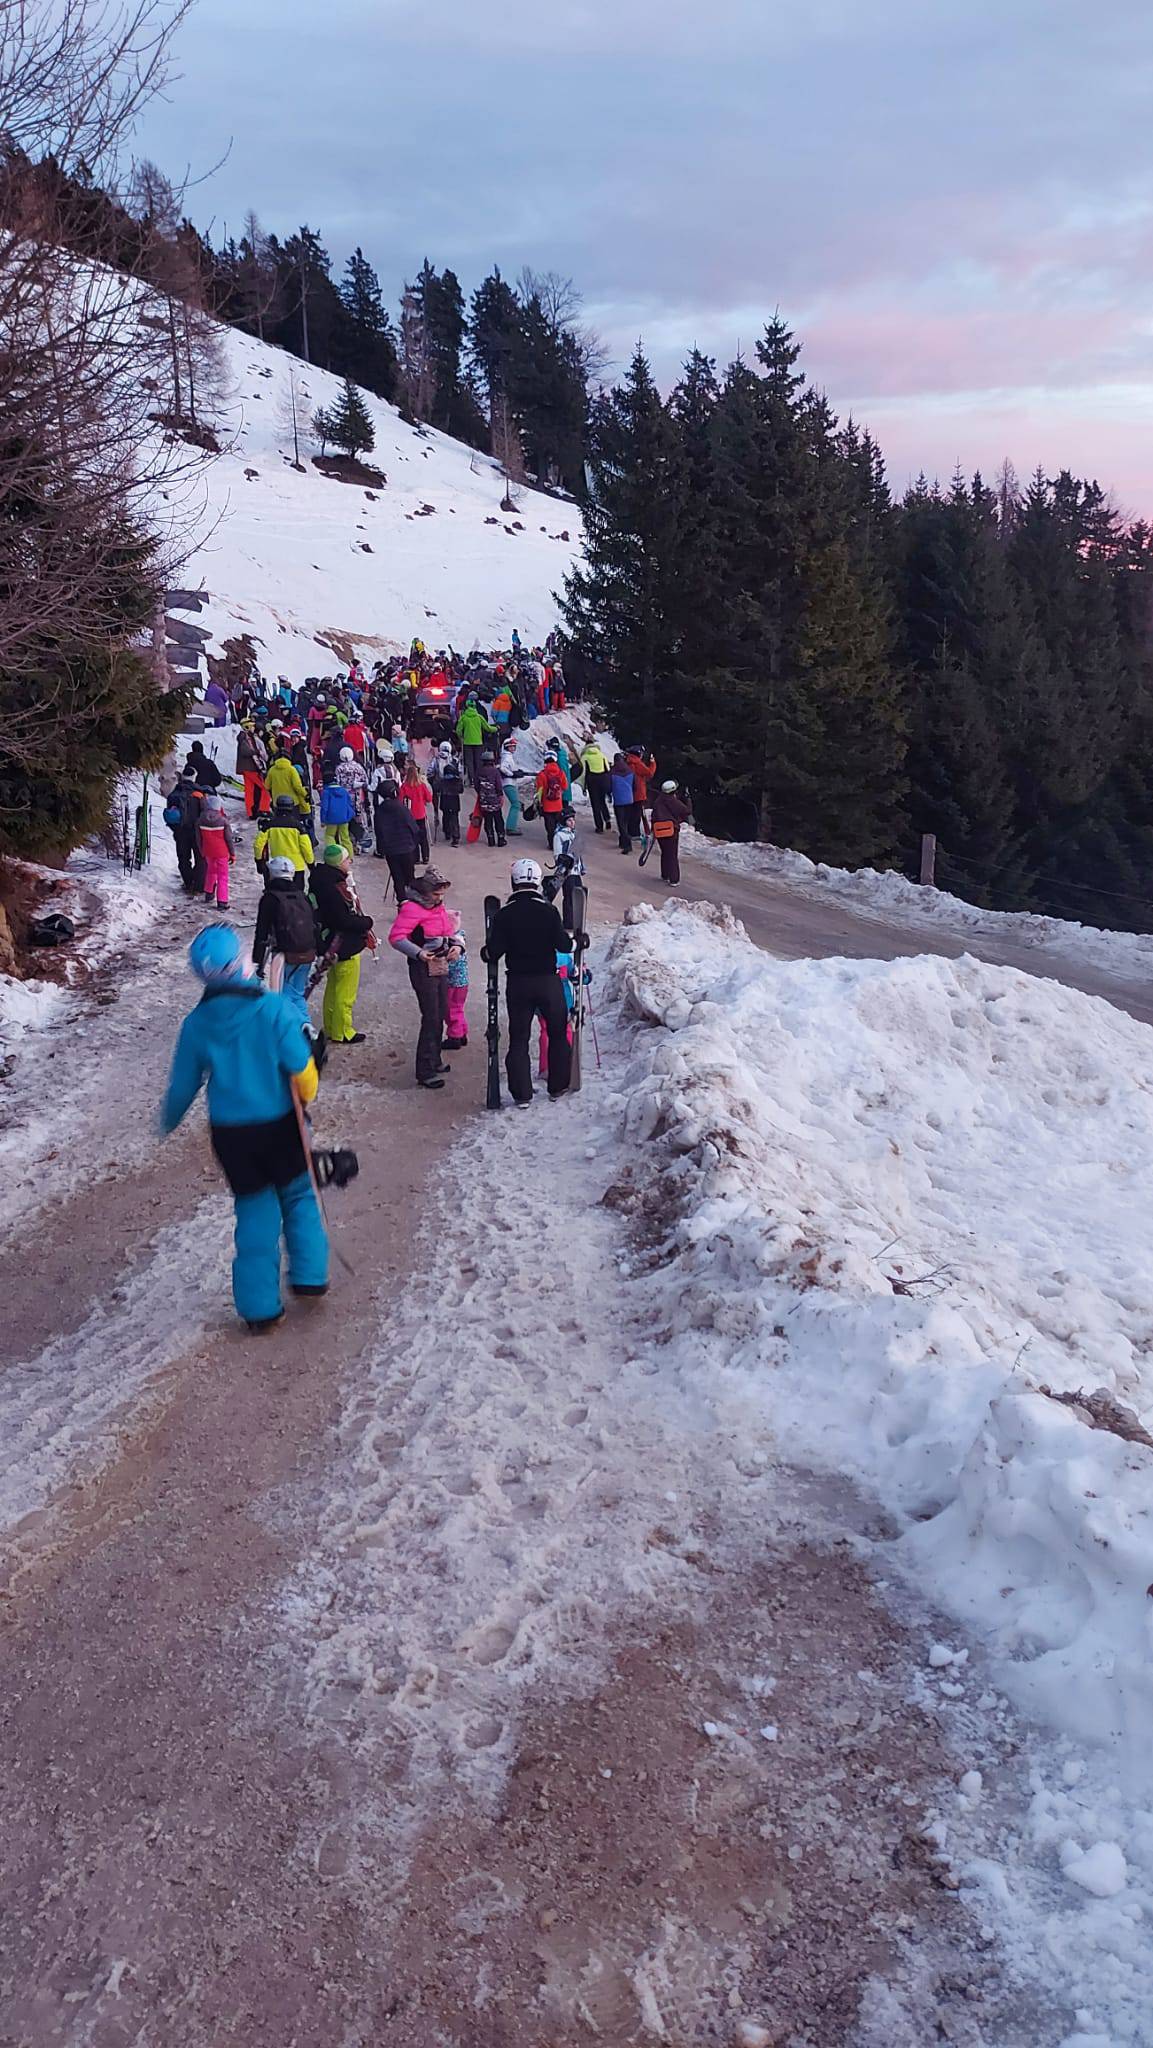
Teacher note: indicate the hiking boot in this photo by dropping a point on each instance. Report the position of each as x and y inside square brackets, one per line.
[258, 1324]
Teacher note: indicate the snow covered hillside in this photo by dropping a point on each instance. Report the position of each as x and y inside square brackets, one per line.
[317, 569]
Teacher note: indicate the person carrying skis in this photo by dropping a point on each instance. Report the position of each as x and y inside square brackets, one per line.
[670, 812]
[423, 931]
[552, 788]
[203, 767]
[345, 931]
[490, 799]
[644, 771]
[594, 773]
[528, 934]
[217, 849]
[472, 727]
[397, 838]
[286, 930]
[250, 1048]
[182, 815]
[568, 867]
[251, 762]
[622, 786]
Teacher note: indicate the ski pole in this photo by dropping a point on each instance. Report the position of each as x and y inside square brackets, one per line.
[306, 1142]
[593, 1022]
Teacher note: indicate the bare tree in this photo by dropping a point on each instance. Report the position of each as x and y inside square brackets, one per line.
[562, 303]
[293, 412]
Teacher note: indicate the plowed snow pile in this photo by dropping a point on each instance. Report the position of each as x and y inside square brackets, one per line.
[895, 1201]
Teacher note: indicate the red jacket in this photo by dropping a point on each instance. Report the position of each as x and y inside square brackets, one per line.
[552, 786]
[644, 769]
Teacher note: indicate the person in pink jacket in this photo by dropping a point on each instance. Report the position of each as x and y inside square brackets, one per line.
[423, 931]
[217, 849]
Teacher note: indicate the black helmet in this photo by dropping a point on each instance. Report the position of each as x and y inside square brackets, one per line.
[284, 804]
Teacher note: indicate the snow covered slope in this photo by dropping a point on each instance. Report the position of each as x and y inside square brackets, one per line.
[288, 556]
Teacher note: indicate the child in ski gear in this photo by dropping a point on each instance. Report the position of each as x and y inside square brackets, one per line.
[552, 787]
[669, 813]
[217, 849]
[345, 931]
[250, 1048]
[286, 928]
[456, 1022]
[182, 816]
[282, 831]
[567, 970]
[490, 799]
[337, 811]
[423, 930]
[527, 933]
[416, 796]
[568, 867]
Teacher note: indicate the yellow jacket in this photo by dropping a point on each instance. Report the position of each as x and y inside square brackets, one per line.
[283, 779]
[288, 841]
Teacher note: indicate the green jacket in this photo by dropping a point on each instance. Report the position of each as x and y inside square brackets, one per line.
[472, 725]
[594, 761]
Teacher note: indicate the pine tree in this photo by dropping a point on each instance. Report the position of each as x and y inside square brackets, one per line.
[618, 603]
[347, 423]
[366, 349]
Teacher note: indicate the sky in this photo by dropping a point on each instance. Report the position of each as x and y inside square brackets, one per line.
[950, 201]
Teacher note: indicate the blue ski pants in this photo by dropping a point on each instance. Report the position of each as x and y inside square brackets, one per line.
[261, 1219]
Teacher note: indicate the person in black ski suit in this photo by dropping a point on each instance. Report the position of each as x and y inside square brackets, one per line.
[201, 766]
[528, 933]
[490, 800]
[185, 800]
[398, 838]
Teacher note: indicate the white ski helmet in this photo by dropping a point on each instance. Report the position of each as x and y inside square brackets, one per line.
[669, 788]
[445, 750]
[280, 868]
[526, 874]
[346, 754]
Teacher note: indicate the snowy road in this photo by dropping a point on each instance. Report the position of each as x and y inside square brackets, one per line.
[405, 1679]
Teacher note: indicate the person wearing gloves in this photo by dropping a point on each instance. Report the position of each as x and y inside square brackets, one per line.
[345, 931]
[285, 938]
[217, 848]
[529, 935]
[669, 813]
[250, 1047]
[423, 930]
[472, 728]
[552, 791]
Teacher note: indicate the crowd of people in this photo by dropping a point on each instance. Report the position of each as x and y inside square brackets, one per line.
[339, 769]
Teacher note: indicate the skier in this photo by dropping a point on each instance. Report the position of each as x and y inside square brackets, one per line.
[490, 799]
[416, 796]
[337, 811]
[511, 770]
[528, 934]
[644, 770]
[282, 832]
[471, 729]
[204, 769]
[669, 813]
[251, 762]
[344, 933]
[250, 1047]
[351, 775]
[181, 815]
[286, 929]
[447, 779]
[552, 788]
[397, 838]
[594, 772]
[568, 867]
[422, 930]
[622, 785]
[283, 779]
[217, 849]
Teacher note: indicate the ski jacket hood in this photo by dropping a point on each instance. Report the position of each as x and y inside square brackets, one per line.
[248, 1045]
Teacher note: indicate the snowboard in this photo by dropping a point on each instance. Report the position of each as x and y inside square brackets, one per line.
[492, 1031]
[577, 926]
[473, 832]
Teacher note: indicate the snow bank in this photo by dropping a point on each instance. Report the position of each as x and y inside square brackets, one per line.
[891, 898]
[904, 1196]
[291, 555]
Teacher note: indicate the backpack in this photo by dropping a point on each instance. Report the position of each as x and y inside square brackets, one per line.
[451, 779]
[336, 805]
[182, 808]
[293, 925]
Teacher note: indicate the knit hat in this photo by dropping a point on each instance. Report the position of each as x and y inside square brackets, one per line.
[334, 855]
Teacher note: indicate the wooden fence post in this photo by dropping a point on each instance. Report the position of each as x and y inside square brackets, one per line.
[929, 859]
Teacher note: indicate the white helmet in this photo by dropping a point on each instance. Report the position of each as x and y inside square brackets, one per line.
[668, 788]
[280, 868]
[445, 749]
[526, 874]
[346, 754]
[385, 751]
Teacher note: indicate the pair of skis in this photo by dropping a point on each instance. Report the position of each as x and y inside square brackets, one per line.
[579, 928]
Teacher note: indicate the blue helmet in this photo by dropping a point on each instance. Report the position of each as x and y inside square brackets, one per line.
[214, 954]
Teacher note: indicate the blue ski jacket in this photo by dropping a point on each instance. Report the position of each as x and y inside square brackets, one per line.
[248, 1044]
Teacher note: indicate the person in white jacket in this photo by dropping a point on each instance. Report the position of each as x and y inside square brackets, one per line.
[511, 770]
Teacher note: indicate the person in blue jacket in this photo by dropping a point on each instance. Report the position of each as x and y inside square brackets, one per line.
[250, 1047]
